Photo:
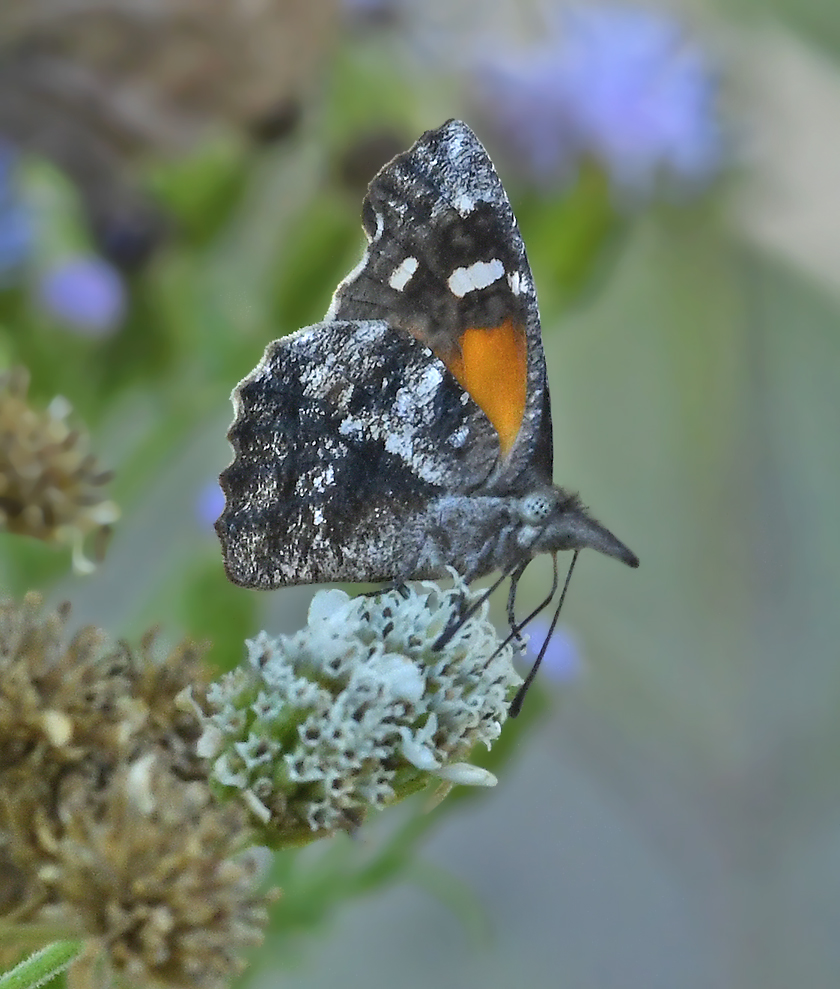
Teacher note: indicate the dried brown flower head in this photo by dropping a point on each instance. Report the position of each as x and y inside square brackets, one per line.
[50, 483]
[107, 825]
[156, 75]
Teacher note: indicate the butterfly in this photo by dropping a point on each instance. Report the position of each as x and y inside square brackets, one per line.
[409, 432]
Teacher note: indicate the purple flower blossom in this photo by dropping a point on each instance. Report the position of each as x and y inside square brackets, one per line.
[370, 11]
[85, 293]
[15, 221]
[621, 85]
[209, 504]
[562, 661]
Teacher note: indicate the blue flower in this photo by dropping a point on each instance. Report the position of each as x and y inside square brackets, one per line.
[85, 293]
[621, 85]
[373, 12]
[209, 504]
[562, 661]
[15, 221]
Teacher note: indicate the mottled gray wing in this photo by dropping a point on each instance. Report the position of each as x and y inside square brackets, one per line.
[342, 435]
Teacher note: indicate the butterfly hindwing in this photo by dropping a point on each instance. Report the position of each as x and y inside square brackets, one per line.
[343, 435]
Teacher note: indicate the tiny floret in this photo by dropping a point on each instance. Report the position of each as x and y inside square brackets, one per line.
[359, 709]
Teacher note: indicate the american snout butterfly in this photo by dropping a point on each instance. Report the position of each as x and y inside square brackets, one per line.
[410, 430]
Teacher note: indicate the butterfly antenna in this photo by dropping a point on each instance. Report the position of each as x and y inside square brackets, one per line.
[516, 703]
[454, 626]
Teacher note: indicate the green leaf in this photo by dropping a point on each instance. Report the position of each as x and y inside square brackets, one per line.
[42, 966]
[573, 240]
[201, 188]
[213, 608]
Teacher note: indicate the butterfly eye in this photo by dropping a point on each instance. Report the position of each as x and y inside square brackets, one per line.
[535, 508]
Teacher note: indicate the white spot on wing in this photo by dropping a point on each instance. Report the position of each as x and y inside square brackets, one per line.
[343, 398]
[323, 479]
[459, 438]
[477, 276]
[402, 274]
[464, 203]
[380, 227]
[351, 427]
[418, 395]
[514, 279]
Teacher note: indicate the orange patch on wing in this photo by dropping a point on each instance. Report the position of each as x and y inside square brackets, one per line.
[493, 368]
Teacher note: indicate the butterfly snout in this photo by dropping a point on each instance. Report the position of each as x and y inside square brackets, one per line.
[554, 520]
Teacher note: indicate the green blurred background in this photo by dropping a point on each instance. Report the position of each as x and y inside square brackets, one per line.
[668, 812]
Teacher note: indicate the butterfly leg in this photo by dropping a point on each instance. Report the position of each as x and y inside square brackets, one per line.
[399, 586]
[511, 603]
[517, 627]
[458, 621]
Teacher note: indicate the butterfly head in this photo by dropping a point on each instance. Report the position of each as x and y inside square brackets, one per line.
[554, 520]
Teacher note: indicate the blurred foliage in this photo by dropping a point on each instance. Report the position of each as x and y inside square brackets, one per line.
[815, 20]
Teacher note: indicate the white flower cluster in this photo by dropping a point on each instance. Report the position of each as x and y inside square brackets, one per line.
[359, 709]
